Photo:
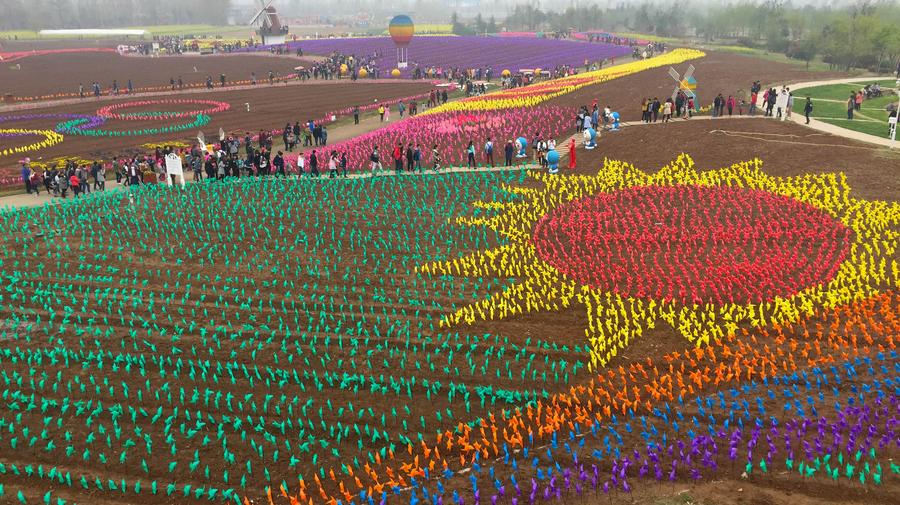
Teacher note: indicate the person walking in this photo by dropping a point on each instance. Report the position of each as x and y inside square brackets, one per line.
[101, 178]
[470, 155]
[808, 108]
[397, 156]
[667, 111]
[508, 151]
[301, 164]
[417, 158]
[375, 159]
[313, 164]
[489, 152]
[333, 165]
[26, 175]
[730, 103]
[851, 105]
[343, 163]
[278, 163]
[435, 158]
[410, 158]
[356, 114]
[381, 112]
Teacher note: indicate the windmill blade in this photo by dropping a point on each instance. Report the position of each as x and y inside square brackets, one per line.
[675, 92]
[674, 74]
[689, 73]
[256, 17]
[264, 5]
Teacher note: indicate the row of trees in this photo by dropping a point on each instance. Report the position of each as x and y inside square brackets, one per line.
[42, 14]
[478, 26]
[865, 34]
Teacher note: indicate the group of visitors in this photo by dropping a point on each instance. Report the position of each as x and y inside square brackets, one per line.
[854, 103]
[591, 117]
[643, 52]
[653, 110]
[720, 103]
[778, 103]
[312, 133]
[58, 181]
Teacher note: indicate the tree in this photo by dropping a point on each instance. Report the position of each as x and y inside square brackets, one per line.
[805, 50]
[492, 25]
[480, 25]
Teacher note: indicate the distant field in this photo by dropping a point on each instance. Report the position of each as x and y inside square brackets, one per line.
[152, 30]
[646, 36]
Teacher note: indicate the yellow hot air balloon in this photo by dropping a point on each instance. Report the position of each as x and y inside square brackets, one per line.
[395, 72]
[363, 73]
[506, 72]
[344, 69]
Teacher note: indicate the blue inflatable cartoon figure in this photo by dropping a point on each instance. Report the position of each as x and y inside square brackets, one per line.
[615, 123]
[521, 144]
[553, 161]
[589, 135]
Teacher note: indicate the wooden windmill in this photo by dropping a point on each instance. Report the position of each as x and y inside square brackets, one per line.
[268, 24]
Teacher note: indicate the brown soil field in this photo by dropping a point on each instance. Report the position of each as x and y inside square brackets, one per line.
[334, 276]
[271, 107]
[785, 148]
[61, 73]
[268, 329]
[716, 73]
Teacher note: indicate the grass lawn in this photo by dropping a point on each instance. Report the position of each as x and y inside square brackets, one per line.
[842, 91]
[878, 129]
[829, 105]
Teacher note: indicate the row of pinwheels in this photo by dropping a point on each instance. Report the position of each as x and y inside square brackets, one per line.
[197, 357]
[830, 415]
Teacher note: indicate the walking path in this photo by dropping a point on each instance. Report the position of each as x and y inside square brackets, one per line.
[369, 122]
[24, 200]
[822, 126]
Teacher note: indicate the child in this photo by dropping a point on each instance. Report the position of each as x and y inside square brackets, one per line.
[332, 165]
[435, 158]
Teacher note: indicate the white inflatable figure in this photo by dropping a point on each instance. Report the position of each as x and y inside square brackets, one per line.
[521, 144]
[615, 123]
[589, 136]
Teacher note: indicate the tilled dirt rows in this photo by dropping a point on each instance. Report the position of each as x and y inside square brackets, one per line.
[785, 148]
[61, 73]
[729, 74]
[270, 108]
[197, 346]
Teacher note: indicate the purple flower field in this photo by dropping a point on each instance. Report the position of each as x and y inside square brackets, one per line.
[498, 53]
